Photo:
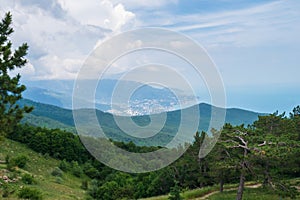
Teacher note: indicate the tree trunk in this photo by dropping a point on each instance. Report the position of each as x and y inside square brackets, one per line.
[241, 187]
[221, 185]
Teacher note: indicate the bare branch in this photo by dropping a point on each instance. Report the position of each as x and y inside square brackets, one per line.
[262, 144]
[242, 140]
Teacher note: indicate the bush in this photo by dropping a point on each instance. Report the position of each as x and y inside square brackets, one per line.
[57, 172]
[28, 179]
[84, 185]
[30, 193]
[76, 169]
[7, 190]
[7, 159]
[19, 161]
[175, 193]
[93, 189]
[64, 165]
[90, 171]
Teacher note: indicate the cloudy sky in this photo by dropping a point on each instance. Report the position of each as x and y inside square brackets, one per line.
[254, 43]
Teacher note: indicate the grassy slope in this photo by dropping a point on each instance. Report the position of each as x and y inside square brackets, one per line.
[251, 192]
[41, 168]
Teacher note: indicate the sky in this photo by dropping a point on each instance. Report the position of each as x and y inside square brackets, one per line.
[255, 44]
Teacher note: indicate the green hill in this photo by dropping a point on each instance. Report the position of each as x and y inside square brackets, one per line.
[55, 117]
[46, 122]
[40, 167]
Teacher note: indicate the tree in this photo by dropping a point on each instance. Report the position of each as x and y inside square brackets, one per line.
[221, 165]
[262, 150]
[10, 89]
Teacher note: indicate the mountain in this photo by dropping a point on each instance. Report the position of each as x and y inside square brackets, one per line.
[57, 117]
[146, 99]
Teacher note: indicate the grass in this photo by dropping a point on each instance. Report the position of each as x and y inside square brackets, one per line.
[199, 192]
[249, 194]
[40, 166]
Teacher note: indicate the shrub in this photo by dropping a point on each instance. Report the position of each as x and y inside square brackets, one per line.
[64, 165]
[90, 171]
[57, 172]
[28, 179]
[93, 189]
[76, 169]
[30, 193]
[84, 185]
[7, 190]
[19, 161]
[175, 193]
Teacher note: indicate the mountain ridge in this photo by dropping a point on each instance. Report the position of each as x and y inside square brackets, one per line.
[63, 118]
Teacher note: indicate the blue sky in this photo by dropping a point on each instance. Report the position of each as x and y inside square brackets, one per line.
[255, 44]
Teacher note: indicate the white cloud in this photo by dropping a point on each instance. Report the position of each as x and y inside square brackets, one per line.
[145, 4]
[68, 71]
[61, 33]
[98, 13]
[27, 70]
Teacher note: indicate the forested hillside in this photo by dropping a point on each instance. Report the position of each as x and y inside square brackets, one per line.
[50, 116]
[266, 152]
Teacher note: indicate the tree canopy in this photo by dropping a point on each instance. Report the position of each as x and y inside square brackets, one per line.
[10, 88]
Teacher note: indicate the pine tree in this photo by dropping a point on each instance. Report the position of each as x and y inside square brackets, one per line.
[10, 88]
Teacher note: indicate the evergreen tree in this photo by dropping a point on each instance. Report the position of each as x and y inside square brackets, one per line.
[10, 89]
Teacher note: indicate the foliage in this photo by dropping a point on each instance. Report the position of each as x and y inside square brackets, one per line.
[10, 89]
[64, 165]
[76, 169]
[28, 179]
[7, 189]
[175, 193]
[40, 168]
[57, 172]
[285, 189]
[19, 161]
[57, 143]
[266, 151]
[30, 193]
[84, 185]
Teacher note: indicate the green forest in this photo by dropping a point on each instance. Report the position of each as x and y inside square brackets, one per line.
[264, 155]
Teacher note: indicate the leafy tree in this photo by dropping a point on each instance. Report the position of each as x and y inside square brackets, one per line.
[10, 89]
[262, 151]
